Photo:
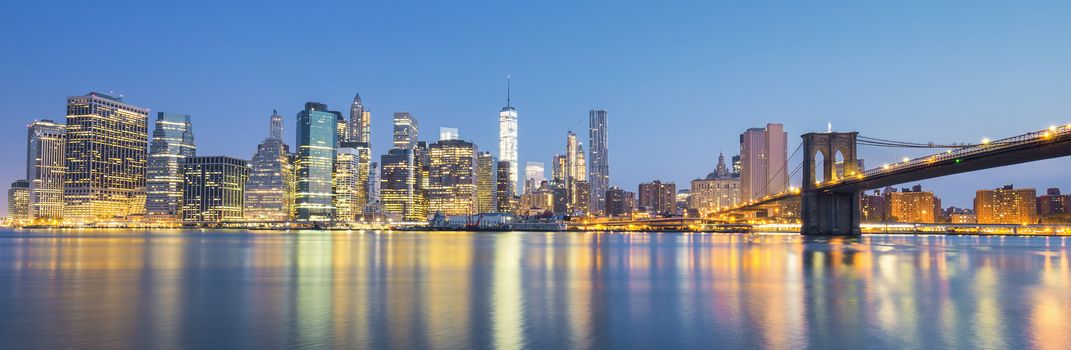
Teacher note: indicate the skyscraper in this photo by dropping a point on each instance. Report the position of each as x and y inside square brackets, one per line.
[350, 181]
[45, 166]
[172, 142]
[269, 192]
[317, 141]
[452, 178]
[405, 131]
[504, 198]
[360, 121]
[213, 189]
[534, 175]
[575, 172]
[763, 161]
[486, 188]
[106, 155]
[18, 202]
[507, 135]
[599, 169]
[399, 185]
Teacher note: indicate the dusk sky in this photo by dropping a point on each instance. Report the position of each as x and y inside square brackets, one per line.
[680, 80]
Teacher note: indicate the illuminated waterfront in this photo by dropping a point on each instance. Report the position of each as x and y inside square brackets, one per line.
[195, 289]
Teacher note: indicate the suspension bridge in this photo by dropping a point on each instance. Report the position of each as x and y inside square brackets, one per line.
[832, 174]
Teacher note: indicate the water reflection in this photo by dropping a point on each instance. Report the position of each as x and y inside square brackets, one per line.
[540, 290]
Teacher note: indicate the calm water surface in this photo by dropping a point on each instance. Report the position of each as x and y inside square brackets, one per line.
[197, 289]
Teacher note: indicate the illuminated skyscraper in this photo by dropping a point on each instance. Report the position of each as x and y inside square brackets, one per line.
[452, 178]
[342, 128]
[317, 141]
[534, 175]
[106, 155]
[360, 121]
[213, 189]
[507, 136]
[763, 161]
[269, 192]
[172, 142]
[405, 131]
[399, 190]
[45, 166]
[599, 169]
[486, 189]
[18, 202]
[348, 185]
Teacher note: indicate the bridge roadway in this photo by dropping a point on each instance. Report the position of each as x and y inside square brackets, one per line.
[1054, 142]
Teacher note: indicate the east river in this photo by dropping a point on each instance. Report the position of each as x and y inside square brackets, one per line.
[442, 290]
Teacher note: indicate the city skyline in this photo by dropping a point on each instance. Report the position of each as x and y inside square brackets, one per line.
[721, 89]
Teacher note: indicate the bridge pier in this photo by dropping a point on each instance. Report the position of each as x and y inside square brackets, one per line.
[824, 214]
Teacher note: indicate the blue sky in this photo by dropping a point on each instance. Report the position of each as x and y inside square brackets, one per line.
[681, 80]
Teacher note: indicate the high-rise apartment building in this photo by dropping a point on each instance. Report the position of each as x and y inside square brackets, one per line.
[507, 137]
[658, 197]
[172, 142]
[360, 122]
[213, 189]
[619, 202]
[599, 169]
[107, 141]
[534, 175]
[718, 190]
[269, 191]
[317, 142]
[763, 161]
[405, 131]
[911, 206]
[452, 187]
[45, 167]
[1006, 205]
[873, 208]
[486, 188]
[18, 202]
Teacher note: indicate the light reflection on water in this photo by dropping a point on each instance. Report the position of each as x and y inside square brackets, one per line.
[539, 290]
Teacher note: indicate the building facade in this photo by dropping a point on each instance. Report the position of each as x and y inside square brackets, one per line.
[507, 139]
[763, 161]
[405, 131]
[1006, 205]
[599, 169]
[317, 142]
[18, 203]
[46, 165]
[269, 191]
[719, 189]
[213, 189]
[534, 176]
[350, 182]
[911, 206]
[360, 122]
[172, 142]
[619, 203]
[106, 146]
[505, 201]
[486, 188]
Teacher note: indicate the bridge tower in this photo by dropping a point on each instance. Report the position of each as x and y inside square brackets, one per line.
[827, 212]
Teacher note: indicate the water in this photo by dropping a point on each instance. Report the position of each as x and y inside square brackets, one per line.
[537, 290]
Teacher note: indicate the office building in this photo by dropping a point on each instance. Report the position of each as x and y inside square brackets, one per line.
[657, 197]
[505, 201]
[213, 189]
[317, 142]
[452, 179]
[534, 175]
[400, 191]
[718, 190]
[507, 137]
[46, 165]
[763, 161]
[486, 188]
[18, 202]
[405, 131]
[599, 169]
[269, 191]
[351, 181]
[107, 141]
[1006, 205]
[172, 142]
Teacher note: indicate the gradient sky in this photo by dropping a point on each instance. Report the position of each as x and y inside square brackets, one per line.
[681, 80]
